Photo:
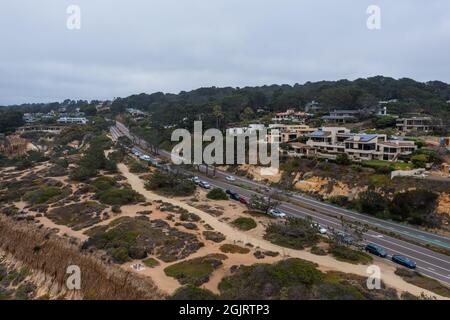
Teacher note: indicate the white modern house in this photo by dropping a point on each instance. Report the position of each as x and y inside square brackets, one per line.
[328, 142]
[72, 120]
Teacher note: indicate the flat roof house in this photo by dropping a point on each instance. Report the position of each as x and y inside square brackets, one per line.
[290, 116]
[72, 120]
[328, 142]
[288, 132]
[424, 124]
[342, 116]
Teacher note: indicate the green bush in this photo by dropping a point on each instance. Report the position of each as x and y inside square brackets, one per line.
[195, 271]
[232, 248]
[217, 194]
[252, 282]
[346, 254]
[137, 167]
[293, 233]
[42, 195]
[413, 206]
[169, 184]
[245, 223]
[119, 196]
[151, 262]
[103, 183]
[190, 292]
[371, 202]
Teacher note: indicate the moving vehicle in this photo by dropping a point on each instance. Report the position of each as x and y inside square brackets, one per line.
[204, 185]
[376, 250]
[230, 178]
[233, 195]
[277, 213]
[403, 261]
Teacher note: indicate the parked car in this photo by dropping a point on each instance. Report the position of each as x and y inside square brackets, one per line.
[321, 229]
[195, 180]
[345, 238]
[230, 178]
[204, 185]
[376, 250]
[243, 201]
[233, 195]
[145, 157]
[277, 213]
[403, 261]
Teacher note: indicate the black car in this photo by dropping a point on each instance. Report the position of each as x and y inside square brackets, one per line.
[404, 261]
[233, 195]
[376, 250]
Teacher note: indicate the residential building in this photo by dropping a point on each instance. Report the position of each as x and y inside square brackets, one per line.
[342, 116]
[297, 149]
[40, 128]
[330, 141]
[313, 107]
[242, 130]
[424, 124]
[287, 132]
[290, 115]
[72, 120]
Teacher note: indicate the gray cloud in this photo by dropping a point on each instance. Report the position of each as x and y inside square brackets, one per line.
[134, 46]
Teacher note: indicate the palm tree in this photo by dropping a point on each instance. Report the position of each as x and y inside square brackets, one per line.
[218, 114]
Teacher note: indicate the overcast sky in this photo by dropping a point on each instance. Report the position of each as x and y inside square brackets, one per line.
[134, 46]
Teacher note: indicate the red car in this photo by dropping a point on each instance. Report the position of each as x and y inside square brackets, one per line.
[243, 200]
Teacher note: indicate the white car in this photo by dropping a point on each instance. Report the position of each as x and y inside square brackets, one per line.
[204, 185]
[230, 178]
[321, 229]
[277, 213]
[195, 180]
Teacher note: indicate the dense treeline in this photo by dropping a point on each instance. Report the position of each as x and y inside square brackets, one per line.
[221, 106]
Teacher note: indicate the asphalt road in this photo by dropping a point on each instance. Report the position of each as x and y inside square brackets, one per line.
[428, 262]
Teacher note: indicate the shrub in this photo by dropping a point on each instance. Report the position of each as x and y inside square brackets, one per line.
[195, 271]
[170, 184]
[346, 254]
[245, 223]
[214, 236]
[270, 281]
[318, 251]
[119, 196]
[191, 292]
[422, 281]
[232, 248]
[413, 206]
[137, 167]
[103, 183]
[371, 202]
[151, 262]
[42, 195]
[217, 194]
[293, 233]
[341, 201]
[116, 209]
[343, 159]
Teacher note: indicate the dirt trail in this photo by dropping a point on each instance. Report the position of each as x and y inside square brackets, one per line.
[325, 262]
